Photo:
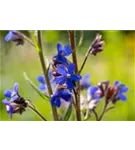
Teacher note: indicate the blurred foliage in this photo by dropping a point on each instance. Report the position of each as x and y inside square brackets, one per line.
[116, 62]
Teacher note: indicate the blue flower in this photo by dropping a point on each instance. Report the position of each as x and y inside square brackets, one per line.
[9, 107]
[16, 104]
[84, 82]
[93, 93]
[67, 76]
[13, 95]
[122, 90]
[15, 36]
[42, 81]
[60, 95]
[62, 52]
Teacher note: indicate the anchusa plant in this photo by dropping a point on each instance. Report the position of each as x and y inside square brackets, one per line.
[62, 82]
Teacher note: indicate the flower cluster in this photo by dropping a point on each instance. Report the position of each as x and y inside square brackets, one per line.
[16, 104]
[15, 36]
[63, 82]
[64, 79]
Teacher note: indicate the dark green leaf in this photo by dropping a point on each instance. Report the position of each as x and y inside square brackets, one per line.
[68, 113]
[35, 87]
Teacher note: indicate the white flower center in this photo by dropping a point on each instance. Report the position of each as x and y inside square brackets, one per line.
[13, 93]
[68, 75]
[7, 107]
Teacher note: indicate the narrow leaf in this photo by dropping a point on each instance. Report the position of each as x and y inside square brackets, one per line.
[35, 87]
[68, 113]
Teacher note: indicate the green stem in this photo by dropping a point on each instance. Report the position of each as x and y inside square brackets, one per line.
[103, 111]
[74, 58]
[37, 112]
[85, 59]
[96, 115]
[42, 61]
[109, 109]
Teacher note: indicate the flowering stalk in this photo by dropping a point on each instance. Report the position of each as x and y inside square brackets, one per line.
[85, 59]
[41, 56]
[95, 113]
[74, 58]
[103, 111]
[95, 47]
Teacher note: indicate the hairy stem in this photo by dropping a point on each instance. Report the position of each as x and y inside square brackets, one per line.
[42, 61]
[103, 111]
[109, 108]
[73, 46]
[84, 61]
[96, 115]
[37, 112]
[74, 58]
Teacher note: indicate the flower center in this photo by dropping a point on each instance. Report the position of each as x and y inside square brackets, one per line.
[7, 108]
[13, 94]
[68, 75]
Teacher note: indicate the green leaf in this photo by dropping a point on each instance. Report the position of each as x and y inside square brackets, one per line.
[35, 87]
[68, 113]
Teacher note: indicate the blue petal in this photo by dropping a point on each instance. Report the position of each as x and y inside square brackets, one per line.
[71, 68]
[69, 83]
[55, 101]
[61, 59]
[85, 78]
[122, 97]
[6, 102]
[11, 36]
[59, 48]
[65, 95]
[59, 80]
[15, 97]
[124, 89]
[92, 90]
[16, 86]
[42, 87]
[117, 83]
[41, 79]
[97, 97]
[61, 70]
[8, 93]
[85, 81]
[10, 114]
[58, 102]
[10, 111]
[76, 78]
[67, 50]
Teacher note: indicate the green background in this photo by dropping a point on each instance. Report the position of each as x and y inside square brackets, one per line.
[116, 62]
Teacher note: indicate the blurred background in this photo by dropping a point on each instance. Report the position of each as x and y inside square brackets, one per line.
[116, 62]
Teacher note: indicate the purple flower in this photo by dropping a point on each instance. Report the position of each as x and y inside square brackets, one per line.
[16, 104]
[60, 95]
[97, 45]
[62, 53]
[42, 81]
[67, 76]
[9, 107]
[15, 36]
[13, 95]
[84, 82]
[93, 93]
[122, 90]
